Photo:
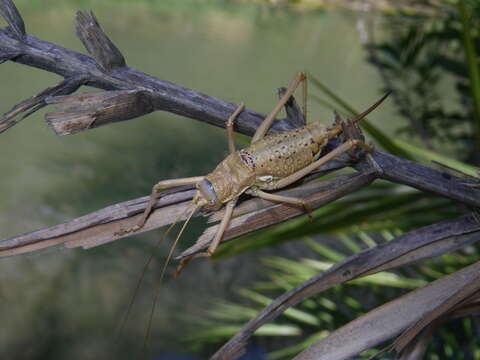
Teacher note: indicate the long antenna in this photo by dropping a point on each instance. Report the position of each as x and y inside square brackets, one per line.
[145, 268]
[370, 109]
[162, 274]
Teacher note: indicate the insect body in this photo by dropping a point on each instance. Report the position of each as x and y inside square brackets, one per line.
[269, 163]
[269, 160]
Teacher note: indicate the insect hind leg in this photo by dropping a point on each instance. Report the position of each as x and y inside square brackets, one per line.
[351, 131]
[283, 199]
[229, 127]
[267, 122]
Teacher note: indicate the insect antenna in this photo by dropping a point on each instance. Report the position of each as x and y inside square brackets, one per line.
[145, 268]
[164, 269]
[370, 109]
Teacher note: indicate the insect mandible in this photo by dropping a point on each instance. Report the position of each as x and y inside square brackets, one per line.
[269, 163]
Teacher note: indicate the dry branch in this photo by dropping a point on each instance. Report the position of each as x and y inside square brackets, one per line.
[107, 71]
[97, 43]
[294, 114]
[15, 22]
[416, 349]
[81, 111]
[402, 171]
[29, 106]
[462, 295]
[99, 227]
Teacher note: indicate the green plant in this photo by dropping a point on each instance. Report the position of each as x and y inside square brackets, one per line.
[316, 317]
[424, 62]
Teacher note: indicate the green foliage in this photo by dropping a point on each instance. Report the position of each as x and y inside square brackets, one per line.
[316, 317]
[419, 61]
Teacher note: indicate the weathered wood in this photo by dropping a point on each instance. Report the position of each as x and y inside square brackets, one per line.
[401, 171]
[8, 56]
[10, 13]
[97, 43]
[99, 227]
[165, 95]
[294, 114]
[31, 105]
[81, 111]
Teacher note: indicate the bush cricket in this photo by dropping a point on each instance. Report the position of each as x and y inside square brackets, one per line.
[269, 163]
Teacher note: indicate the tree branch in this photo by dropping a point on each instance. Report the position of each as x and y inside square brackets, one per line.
[402, 171]
[107, 70]
[99, 227]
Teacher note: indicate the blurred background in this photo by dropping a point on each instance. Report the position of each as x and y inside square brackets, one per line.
[63, 303]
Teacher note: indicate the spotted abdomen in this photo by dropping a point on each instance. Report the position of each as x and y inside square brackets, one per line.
[278, 156]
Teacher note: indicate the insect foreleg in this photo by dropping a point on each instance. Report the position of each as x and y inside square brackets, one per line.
[267, 122]
[346, 146]
[229, 127]
[229, 207]
[165, 184]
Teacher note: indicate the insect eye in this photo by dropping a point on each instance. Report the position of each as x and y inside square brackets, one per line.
[211, 202]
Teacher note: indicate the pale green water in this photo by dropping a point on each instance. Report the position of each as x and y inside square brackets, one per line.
[231, 50]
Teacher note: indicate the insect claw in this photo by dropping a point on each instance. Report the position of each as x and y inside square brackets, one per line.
[338, 118]
[128, 230]
[308, 209]
[184, 262]
[180, 267]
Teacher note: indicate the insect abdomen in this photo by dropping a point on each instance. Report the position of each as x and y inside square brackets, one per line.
[285, 153]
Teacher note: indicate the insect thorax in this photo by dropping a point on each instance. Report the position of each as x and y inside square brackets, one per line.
[231, 177]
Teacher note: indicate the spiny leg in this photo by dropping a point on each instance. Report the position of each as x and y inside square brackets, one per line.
[346, 146]
[229, 207]
[282, 199]
[267, 122]
[229, 126]
[165, 184]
